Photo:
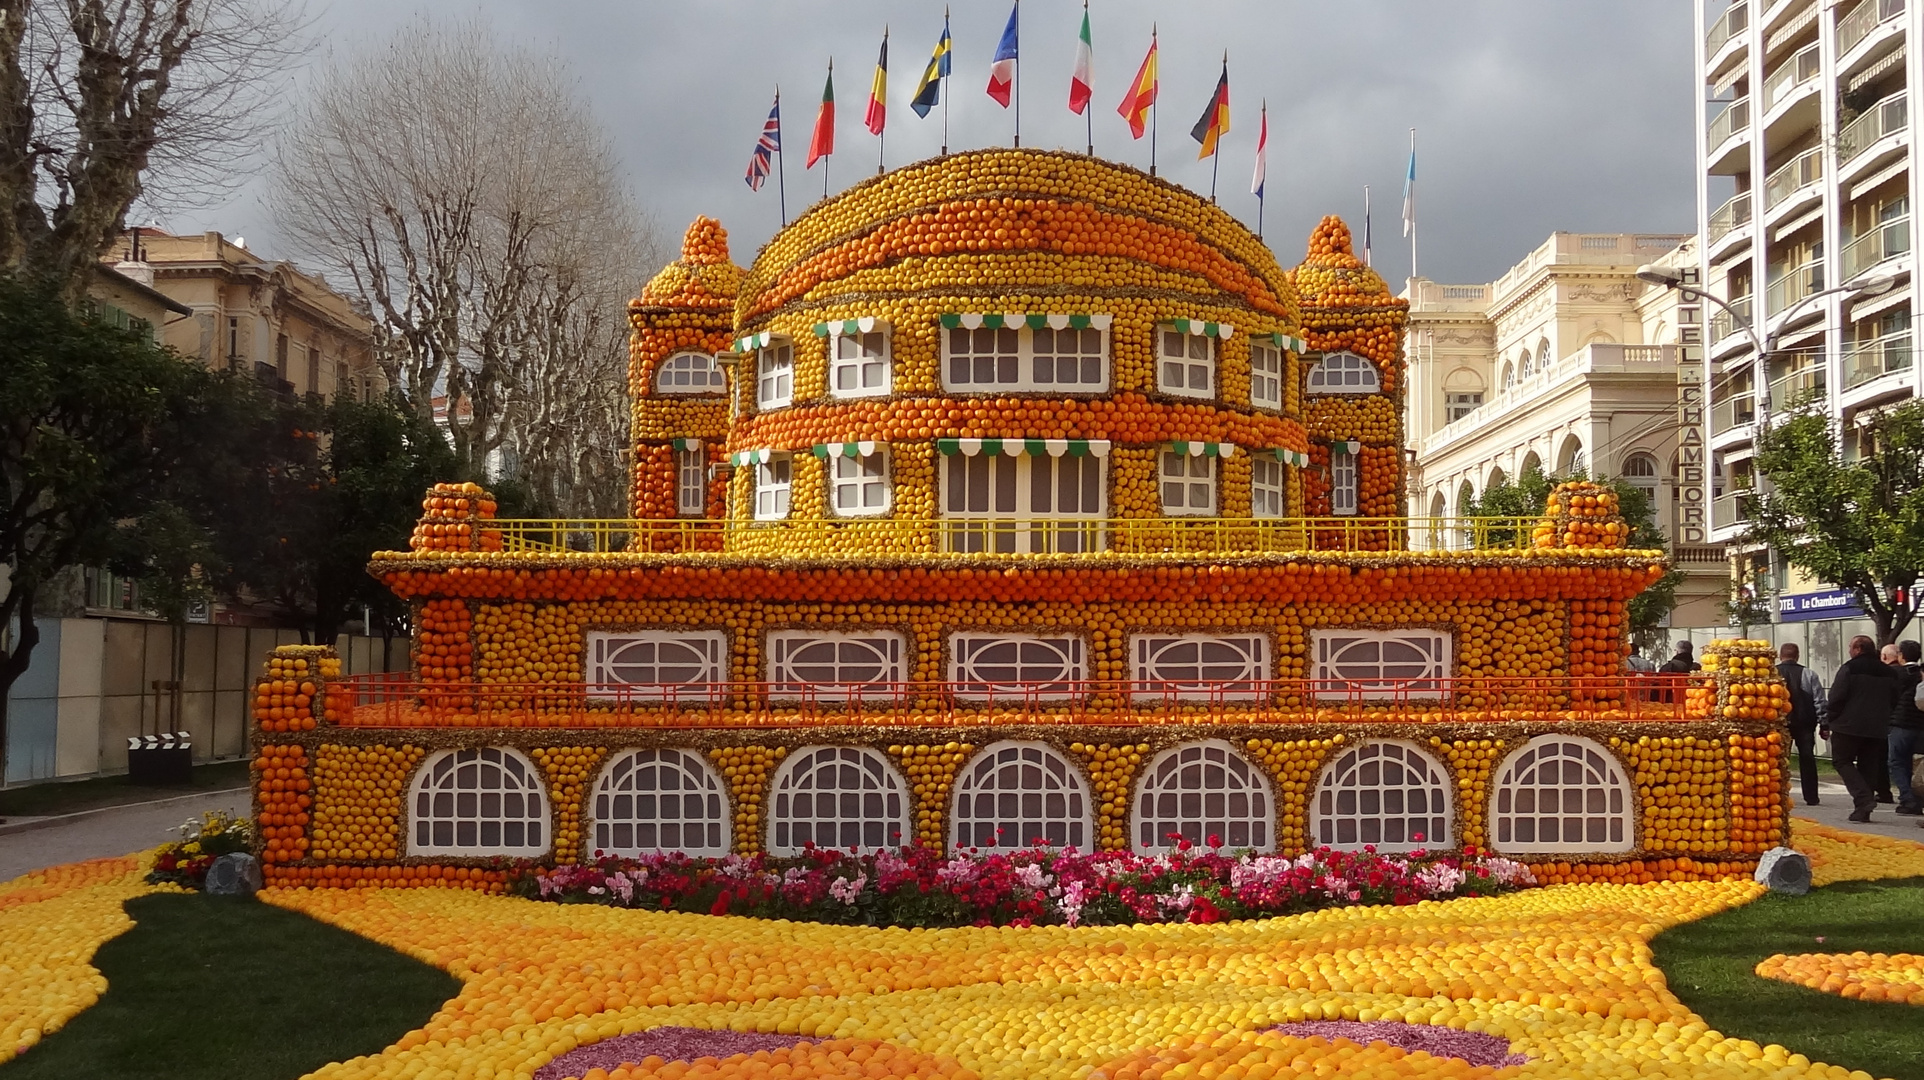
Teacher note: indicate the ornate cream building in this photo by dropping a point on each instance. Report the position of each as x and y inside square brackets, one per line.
[1567, 362]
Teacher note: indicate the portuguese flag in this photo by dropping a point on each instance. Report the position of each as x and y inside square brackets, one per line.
[822, 143]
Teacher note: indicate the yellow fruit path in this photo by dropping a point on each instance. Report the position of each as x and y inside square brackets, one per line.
[1841, 855]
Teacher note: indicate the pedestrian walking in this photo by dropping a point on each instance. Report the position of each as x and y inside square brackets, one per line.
[1857, 721]
[1907, 728]
[1683, 662]
[1807, 701]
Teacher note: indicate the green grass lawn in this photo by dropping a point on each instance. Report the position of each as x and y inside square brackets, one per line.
[218, 988]
[1710, 966]
[37, 800]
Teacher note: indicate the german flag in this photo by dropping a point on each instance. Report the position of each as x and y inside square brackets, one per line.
[1215, 119]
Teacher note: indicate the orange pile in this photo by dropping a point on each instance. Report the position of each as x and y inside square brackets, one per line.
[280, 790]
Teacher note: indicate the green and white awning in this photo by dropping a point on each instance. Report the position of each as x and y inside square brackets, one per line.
[1204, 449]
[1284, 341]
[686, 444]
[845, 449]
[1207, 329]
[1347, 446]
[756, 341]
[849, 326]
[980, 320]
[1292, 458]
[753, 457]
[1019, 447]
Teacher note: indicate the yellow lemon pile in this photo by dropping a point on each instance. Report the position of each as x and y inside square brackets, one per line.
[1840, 855]
[1865, 976]
[51, 921]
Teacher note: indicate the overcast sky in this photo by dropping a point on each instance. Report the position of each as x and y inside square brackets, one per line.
[1530, 117]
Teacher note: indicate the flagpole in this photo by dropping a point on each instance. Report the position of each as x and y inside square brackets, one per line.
[826, 158]
[1089, 110]
[944, 80]
[781, 163]
[882, 136]
[1216, 159]
[1154, 107]
[1262, 147]
[1412, 213]
[1018, 73]
[1366, 225]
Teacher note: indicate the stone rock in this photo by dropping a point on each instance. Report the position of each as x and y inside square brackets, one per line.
[1785, 871]
[239, 874]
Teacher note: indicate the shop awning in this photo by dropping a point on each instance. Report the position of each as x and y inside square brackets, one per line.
[752, 457]
[1204, 449]
[1197, 326]
[756, 341]
[980, 320]
[844, 449]
[1292, 458]
[687, 444]
[1019, 447]
[850, 326]
[1284, 341]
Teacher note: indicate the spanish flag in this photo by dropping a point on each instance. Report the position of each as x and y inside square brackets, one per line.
[1215, 119]
[1142, 92]
[878, 91]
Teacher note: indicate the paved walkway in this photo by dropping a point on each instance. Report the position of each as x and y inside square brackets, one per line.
[1834, 806]
[32, 843]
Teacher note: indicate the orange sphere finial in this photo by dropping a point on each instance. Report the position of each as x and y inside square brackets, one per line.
[706, 243]
[703, 277]
[1331, 245]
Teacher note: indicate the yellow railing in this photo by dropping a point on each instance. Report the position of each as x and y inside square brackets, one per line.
[991, 537]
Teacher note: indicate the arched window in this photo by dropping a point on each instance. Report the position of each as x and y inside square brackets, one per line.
[838, 797]
[485, 801]
[1561, 793]
[659, 800]
[1640, 469]
[1570, 456]
[1523, 365]
[690, 373]
[1509, 375]
[1199, 791]
[1496, 479]
[1015, 793]
[1344, 373]
[1543, 354]
[1531, 464]
[1389, 794]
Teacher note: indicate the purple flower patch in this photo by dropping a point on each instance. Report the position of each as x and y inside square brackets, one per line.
[666, 1043]
[1434, 1040]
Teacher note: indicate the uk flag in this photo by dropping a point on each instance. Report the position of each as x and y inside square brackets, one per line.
[765, 148]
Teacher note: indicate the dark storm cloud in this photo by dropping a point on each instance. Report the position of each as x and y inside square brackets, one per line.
[1531, 116]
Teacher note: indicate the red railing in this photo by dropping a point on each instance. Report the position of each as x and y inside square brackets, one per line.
[400, 700]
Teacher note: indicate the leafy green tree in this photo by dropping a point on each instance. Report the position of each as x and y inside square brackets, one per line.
[1854, 519]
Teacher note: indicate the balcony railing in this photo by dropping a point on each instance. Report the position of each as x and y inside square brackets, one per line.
[1734, 20]
[1789, 76]
[1793, 285]
[1734, 118]
[1735, 411]
[1887, 241]
[1887, 116]
[1728, 510]
[1864, 18]
[1795, 175]
[1792, 386]
[1877, 358]
[1723, 323]
[1732, 214]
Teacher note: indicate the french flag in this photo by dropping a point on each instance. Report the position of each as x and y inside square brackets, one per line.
[1002, 70]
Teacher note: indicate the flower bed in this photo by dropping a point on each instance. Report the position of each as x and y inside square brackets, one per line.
[187, 861]
[1036, 886]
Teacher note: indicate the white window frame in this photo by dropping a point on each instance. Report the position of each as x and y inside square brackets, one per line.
[1618, 813]
[691, 482]
[684, 368]
[862, 364]
[774, 487]
[1458, 404]
[694, 778]
[1157, 806]
[1268, 487]
[961, 380]
[1016, 791]
[1195, 495]
[1150, 660]
[866, 472]
[1177, 375]
[1391, 678]
[703, 658]
[1012, 524]
[1266, 367]
[1066, 682]
[1378, 812]
[775, 374]
[426, 791]
[887, 827]
[886, 650]
[1343, 482]
[1343, 365]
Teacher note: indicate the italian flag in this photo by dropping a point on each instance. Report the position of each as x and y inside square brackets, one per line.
[1080, 86]
[822, 143]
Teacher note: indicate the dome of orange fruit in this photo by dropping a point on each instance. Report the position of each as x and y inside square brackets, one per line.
[702, 277]
[1332, 276]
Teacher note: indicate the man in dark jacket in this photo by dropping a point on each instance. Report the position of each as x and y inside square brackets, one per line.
[1807, 701]
[1907, 728]
[1684, 662]
[1858, 722]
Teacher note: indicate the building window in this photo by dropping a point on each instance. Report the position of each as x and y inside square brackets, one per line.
[313, 369]
[1457, 405]
[280, 357]
[859, 486]
[484, 801]
[1185, 363]
[1199, 792]
[1028, 504]
[838, 797]
[990, 360]
[1342, 481]
[1344, 373]
[1641, 470]
[826, 666]
[1390, 795]
[691, 482]
[660, 800]
[858, 365]
[1401, 663]
[233, 341]
[772, 488]
[775, 375]
[654, 665]
[1265, 375]
[1561, 793]
[1268, 488]
[1015, 794]
[690, 373]
[1211, 667]
[1188, 484]
[988, 666]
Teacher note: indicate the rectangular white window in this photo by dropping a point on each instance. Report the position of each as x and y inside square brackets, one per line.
[1268, 488]
[1342, 481]
[986, 361]
[858, 365]
[859, 485]
[1199, 667]
[1188, 484]
[1016, 667]
[1185, 363]
[1457, 406]
[775, 375]
[656, 665]
[691, 482]
[1026, 505]
[820, 665]
[772, 489]
[1411, 663]
[1265, 375]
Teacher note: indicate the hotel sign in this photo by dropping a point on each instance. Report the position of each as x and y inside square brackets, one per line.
[1693, 463]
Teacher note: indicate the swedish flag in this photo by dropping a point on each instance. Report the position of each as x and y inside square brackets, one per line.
[928, 92]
